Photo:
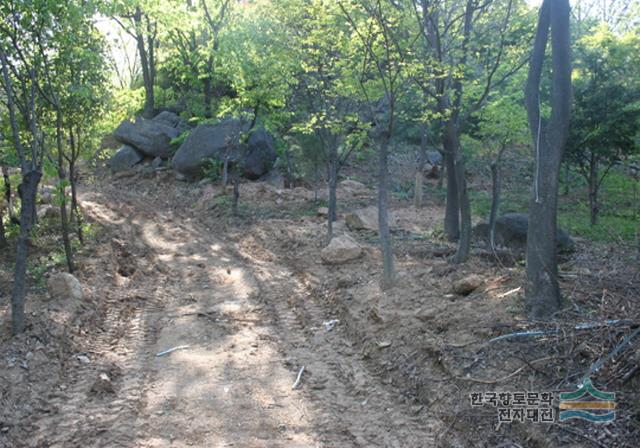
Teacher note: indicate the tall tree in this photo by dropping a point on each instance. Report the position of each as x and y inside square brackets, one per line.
[384, 48]
[320, 38]
[606, 116]
[542, 291]
[19, 74]
[465, 45]
[138, 18]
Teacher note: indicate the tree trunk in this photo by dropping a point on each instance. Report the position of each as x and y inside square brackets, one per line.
[464, 246]
[62, 178]
[422, 160]
[383, 223]
[542, 291]
[7, 190]
[333, 185]
[73, 179]
[27, 191]
[452, 210]
[593, 189]
[495, 204]
[288, 179]
[147, 77]
[3, 236]
[236, 189]
[75, 209]
[496, 186]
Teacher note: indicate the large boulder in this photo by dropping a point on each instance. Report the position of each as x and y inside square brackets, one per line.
[221, 141]
[434, 157]
[64, 286]
[340, 250]
[367, 219]
[125, 158]
[150, 137]
[511, 232]
[171, 119]
[259, 155]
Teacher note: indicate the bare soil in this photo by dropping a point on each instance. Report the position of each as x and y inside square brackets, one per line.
[245, 299]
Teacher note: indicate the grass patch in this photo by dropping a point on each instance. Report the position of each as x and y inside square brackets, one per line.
[619, 217]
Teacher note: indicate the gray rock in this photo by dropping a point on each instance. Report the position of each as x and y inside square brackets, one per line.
[64, 286]
[274, 178]
[511, 232]
[259, 155]
[125, 158]
[157, 163]
[204, 142]
[171, 119]
[48, 212]
[152, 138]
[47, 195]
[340, 250]
[367, 219]
[434, 157]
[221, 141]
[467, 285]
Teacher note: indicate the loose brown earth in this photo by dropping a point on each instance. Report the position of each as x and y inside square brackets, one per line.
[248, 296]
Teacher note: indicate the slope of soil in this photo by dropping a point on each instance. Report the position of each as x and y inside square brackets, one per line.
[245, 300]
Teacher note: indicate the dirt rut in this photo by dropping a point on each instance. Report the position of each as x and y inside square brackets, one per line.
[240, 325]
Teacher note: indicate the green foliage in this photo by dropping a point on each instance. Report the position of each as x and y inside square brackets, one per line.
[179, 140]
[606, 115]
[213, 169]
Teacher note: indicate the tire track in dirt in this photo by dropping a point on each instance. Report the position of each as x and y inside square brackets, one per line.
[355, 407]
[249, 323]
[87, 412]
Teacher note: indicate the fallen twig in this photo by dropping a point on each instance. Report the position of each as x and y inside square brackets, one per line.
[602, 361]
[297, 383]
[511, 375]
[583, 326]
[173, 349]
[508, 293]
[579, 434]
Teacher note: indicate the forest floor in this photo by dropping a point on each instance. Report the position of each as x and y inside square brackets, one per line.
[248, 303]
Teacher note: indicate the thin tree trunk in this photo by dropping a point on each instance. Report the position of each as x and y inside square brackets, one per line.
[3, 236]
[236, 189]
[464, 246]
[542, 290]
[207, 87]
[496, 186]
[333, 185]
[73, 178]
[62, 178]
[7, 194]
[422, 159]
[443, 173]
[593, 189]
[383, 223]
[27, 191]
[452, 210]
[149, 101]
[495, 204]
[289, 180]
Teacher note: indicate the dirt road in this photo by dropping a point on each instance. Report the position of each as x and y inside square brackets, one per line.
[244, 324]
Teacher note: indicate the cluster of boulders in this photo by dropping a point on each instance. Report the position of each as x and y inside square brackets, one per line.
[146, 139]
[252, 151]
[511, 233]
